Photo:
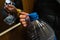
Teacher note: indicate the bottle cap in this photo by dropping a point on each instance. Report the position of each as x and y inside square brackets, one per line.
[33, 16]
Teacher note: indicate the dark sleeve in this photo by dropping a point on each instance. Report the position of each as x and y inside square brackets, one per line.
[48, 10]
[18, 4]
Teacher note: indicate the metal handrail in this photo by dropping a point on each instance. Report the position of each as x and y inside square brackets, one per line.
[9, 29]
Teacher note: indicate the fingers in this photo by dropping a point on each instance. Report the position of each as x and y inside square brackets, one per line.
[22, 20]
[24, 23]
[23, 13]
[23, 16]
[9, 8]
[6, 8]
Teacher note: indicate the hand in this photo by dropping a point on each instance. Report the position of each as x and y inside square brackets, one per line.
[23, 16]
[10, 8]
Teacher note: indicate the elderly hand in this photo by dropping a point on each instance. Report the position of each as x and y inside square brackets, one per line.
[23, 16]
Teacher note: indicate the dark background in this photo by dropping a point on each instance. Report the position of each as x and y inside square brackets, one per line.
[48, 10]
[15, 34]
[19, 32]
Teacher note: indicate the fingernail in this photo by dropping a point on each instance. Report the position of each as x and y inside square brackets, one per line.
[6, 6]
[22, 20]
[24, 25]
